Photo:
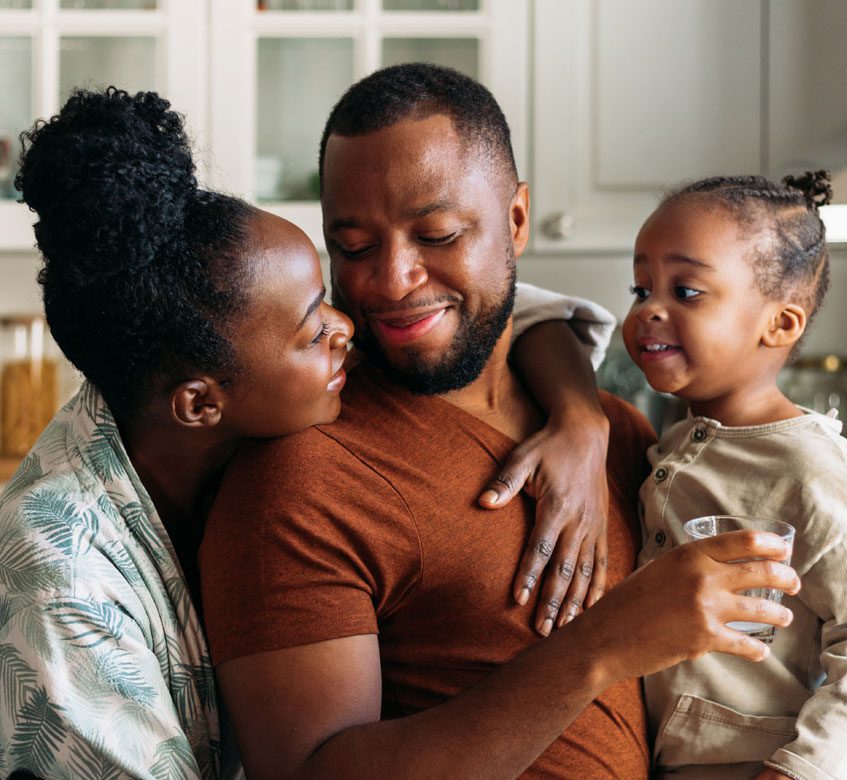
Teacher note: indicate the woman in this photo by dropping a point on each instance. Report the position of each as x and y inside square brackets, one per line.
[197, 321]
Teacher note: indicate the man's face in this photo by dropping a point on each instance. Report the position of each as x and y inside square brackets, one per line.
[422, 239]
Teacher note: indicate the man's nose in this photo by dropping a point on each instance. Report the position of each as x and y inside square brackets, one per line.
[400, 269]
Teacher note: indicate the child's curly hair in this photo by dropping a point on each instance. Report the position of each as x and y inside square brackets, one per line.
[143, 272]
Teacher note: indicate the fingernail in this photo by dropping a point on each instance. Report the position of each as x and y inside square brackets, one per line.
[570, 616]
[546, 627]
[523, 596]
[490, 497]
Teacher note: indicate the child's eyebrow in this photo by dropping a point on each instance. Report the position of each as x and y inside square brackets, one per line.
[675, 257]
[313, 306]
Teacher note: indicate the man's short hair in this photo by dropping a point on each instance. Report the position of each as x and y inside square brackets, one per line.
[417, 90]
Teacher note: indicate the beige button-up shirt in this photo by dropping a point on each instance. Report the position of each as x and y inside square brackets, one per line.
[722, 716]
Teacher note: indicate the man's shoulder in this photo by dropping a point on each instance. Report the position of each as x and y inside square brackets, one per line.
[625, 421]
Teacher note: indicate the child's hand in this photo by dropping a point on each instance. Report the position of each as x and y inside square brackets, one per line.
[771, 774]
[563, 467]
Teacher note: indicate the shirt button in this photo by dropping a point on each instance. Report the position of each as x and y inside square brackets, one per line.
[660, 474]
[698, 434]
[660, 538]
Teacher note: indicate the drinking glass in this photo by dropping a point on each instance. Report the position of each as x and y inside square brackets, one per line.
[712, 525]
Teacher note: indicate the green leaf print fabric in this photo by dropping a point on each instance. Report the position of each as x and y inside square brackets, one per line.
[104, 669]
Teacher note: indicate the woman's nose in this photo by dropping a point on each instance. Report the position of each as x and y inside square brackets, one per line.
[342, 329]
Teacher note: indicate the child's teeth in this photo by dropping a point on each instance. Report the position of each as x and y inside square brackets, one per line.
[657, 347]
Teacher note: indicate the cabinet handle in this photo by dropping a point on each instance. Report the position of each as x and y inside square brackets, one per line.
[558, 226]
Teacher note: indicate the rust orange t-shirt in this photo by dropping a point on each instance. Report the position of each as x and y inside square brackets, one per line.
[371, 524]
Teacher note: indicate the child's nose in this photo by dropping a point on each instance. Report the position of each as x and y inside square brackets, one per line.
[652, 310]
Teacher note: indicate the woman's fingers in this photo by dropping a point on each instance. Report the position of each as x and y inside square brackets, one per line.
[558, 577]
[508, 482]
[601, 561]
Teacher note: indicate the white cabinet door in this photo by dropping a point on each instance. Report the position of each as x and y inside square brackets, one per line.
[278, 67]
[51, 46]
[629, 99]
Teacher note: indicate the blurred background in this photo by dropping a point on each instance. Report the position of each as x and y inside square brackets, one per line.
[610, 102]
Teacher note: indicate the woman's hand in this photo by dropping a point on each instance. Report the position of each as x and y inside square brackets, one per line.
[563, 467]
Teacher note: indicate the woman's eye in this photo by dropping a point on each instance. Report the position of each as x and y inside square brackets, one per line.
[639, 292]
[322, 333]
[686, 293]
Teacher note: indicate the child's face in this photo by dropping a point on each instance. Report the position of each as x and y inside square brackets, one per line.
[696, 323]
[290, 345]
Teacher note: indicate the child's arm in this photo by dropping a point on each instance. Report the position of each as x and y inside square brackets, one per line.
[563, 465]
[819, 748]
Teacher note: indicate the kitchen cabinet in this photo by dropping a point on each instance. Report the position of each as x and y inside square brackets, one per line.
[610, 102]
[255, 78]
[278, 67]
[629, 99]
[47, 47]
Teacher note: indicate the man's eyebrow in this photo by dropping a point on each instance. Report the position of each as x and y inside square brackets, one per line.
[432, 208]
[343, 223]
[678, 258]
[313, 306]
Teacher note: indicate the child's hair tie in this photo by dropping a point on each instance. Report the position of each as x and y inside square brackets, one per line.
[816, 187]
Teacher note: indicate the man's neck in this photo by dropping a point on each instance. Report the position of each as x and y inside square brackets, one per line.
[498, 397]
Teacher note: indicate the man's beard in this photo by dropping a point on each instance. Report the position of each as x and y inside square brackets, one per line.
[472, 346]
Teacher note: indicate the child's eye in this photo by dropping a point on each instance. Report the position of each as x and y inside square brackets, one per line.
[322, 333]
[686, 293]
[639, 292]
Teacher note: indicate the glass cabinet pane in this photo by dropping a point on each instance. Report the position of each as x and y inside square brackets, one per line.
[127, 63]
[16, 4]
[304, 5]
[15, 106]
[109, 5]
[299, 81]
[430, 5]
[459, 53]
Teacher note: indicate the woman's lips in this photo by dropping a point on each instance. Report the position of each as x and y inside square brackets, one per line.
[399, 330]
[337, 382]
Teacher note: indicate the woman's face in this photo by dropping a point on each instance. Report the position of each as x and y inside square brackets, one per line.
[290, 345]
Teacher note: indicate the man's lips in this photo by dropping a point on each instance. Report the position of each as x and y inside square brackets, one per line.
[398, 328]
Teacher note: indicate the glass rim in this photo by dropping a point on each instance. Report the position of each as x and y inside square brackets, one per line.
[778, 527]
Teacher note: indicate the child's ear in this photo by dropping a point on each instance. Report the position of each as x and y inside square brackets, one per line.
[786, 326]
[198, 403]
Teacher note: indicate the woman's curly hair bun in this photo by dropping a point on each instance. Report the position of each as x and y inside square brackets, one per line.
[816, 187]
[110, 178]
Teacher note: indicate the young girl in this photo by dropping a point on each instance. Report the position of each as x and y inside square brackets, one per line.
[728, 273]
[198, 321]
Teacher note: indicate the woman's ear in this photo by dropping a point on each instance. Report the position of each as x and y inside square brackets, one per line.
[786, 326]
[198, 403]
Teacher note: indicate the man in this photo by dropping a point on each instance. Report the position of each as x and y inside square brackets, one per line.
[357, 598]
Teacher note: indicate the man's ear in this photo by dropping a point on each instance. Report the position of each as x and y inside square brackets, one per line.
[785, 327]
[519, 218]
[198, 403]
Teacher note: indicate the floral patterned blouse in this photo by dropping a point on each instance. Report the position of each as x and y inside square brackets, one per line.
[104, 669]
